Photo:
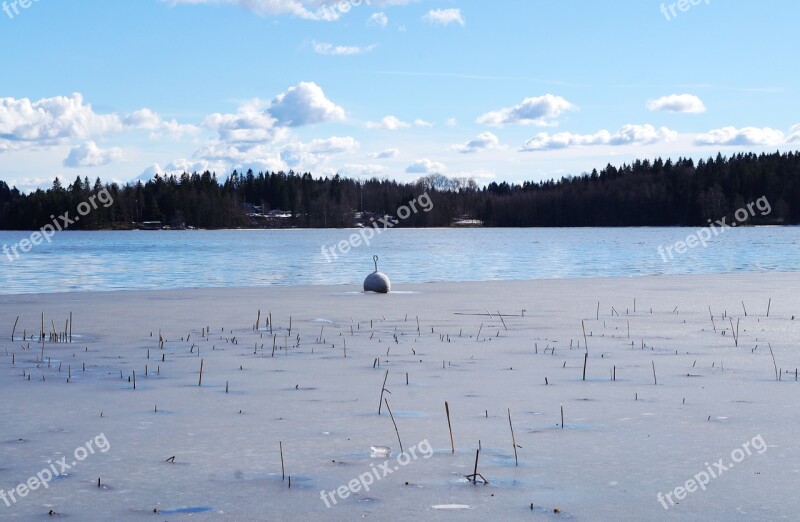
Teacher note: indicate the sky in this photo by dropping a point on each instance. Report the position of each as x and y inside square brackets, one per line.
[507, 90]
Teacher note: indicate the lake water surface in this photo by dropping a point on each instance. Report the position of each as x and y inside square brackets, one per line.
[127, 260]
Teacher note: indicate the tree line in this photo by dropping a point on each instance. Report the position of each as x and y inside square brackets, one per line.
[642, 193]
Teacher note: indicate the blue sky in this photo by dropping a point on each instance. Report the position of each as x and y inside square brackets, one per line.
[510, 90]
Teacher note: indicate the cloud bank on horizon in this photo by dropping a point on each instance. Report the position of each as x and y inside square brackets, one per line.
[395, 88]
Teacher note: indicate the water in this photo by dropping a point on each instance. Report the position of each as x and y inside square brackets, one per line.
[141, 260]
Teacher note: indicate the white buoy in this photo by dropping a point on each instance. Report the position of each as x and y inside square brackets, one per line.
[377, 282]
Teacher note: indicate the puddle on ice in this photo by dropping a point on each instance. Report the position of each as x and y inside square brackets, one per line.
[185, 510]
[452, 506]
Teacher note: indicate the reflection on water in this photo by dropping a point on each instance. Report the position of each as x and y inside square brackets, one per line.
[228, 258]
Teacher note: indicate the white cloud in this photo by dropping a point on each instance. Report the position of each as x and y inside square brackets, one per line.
[325, 10]
[27, 185]
[451, 122]
[385, 154]
[304, 104]
[444, 17]
[642, 135]
[627, 135]
[311, 154]
[426, 166]
[250, 138]
[390, 123]
[340, 50]
[687, 103]
[356, 170]
[50, 121]
[794, 134]
[90, 155]
[538, 111]
[563, 140]
[149, 120]
[251, 124]
[297, 8]
[752, 136]
[423, 123]
[479, 174]
[224, 157]
[174, 168]
[379, 19]
[484, 141]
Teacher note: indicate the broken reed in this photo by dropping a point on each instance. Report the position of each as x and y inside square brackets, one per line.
[773, 361]
[283, 471]
[395, 425]
[449, 427]
[585, 359]
[474, 476]
[383, 389]
[735, 331]
[513, 440]
[585, 344]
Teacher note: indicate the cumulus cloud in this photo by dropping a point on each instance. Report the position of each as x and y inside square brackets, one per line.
[426, 166]
[642, 135]
[174, 168]
[325, 10]
[483, 141]
[540, 111]
[356, 170]
[687, 103]
[27, 185]
[90, 155]
[423, 123]
[628, 135]
[251, 137]
[389, 123]
[748, 136]
[304, 104]
[340, 50]
[257, 121]
[224, 157]
[251, 123]
[49, 121]
[149, 120]
[379, 19]
[444, 17]
[298, 8]
[317, 151]
[385, 154]
[794, 134]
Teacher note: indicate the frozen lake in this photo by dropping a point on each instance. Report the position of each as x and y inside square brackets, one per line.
[210, 449]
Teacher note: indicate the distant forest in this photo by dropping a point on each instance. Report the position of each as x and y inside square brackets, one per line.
[643, 193]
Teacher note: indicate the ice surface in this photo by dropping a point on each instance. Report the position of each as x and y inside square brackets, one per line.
[623, 442]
